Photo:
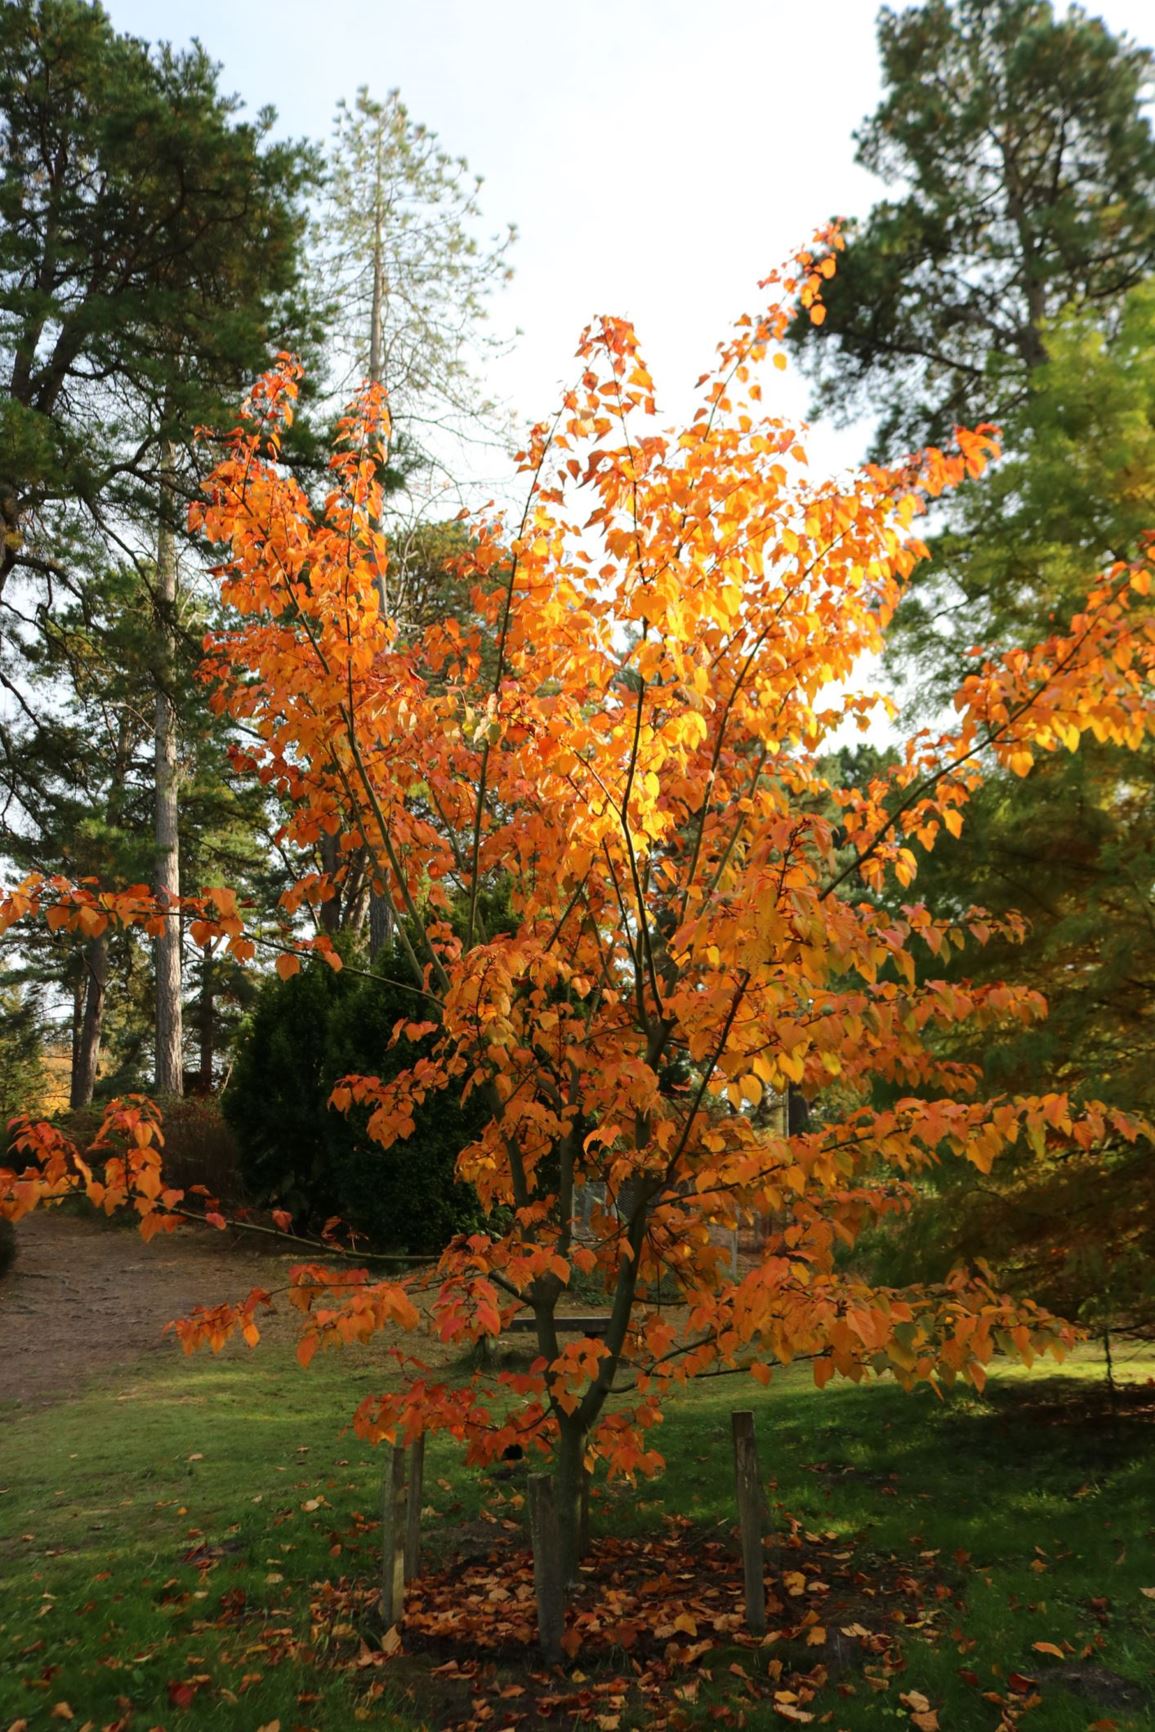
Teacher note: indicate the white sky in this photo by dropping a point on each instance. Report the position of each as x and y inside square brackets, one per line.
[657, 156]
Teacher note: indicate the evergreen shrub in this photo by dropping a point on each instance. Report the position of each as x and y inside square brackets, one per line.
[298, 1153]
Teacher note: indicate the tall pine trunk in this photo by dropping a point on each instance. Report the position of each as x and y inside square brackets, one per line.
[206, 1020]
[87, 1031]
[169, 1076]
[380, 908]
[90, 988]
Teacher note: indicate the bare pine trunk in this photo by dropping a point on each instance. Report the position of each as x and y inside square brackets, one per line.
[78, 994]
[169, 1034]
[380, 911]
[205, 1019]
[86, 1042]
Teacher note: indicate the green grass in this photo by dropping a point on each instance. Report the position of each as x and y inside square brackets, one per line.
[135, 1518]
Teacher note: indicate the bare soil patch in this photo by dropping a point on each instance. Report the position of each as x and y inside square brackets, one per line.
[87, 1298]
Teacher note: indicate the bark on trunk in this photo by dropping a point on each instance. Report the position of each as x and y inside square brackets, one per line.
[330, 911]
[569, 1472]
[78, 991]
[205, 1020]
[380, 912]
[169, 1077]
[86, 1049]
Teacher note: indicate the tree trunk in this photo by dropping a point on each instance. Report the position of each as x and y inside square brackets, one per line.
[169, 1077]
[380, 911]
[330, 910]
[569, 1473]
[205, 1020]
[86, 1047]
[78, 995]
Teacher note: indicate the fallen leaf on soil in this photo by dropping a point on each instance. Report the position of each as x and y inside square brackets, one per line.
[1020, 1683]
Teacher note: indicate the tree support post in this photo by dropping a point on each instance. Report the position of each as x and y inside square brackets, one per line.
[547, 1565]
[748, 1489]
[413, 1507]
[584, 1514]
[393, 1529]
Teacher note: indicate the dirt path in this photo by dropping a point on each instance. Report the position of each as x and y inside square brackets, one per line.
[85, 1298]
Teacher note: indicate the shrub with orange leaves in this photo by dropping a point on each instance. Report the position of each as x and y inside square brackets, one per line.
[631, 746]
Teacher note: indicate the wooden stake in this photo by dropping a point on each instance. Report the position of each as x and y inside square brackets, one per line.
[547, 1582]
[748, 1488]
[584, 1514]
[393, 1501]
[413, 1509]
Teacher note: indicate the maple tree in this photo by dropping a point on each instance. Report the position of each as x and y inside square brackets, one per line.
[626, 752]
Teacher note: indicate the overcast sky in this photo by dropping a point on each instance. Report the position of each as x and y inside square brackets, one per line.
[657, 156]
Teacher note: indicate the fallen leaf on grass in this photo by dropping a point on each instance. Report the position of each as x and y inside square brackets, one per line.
[1049, 1648]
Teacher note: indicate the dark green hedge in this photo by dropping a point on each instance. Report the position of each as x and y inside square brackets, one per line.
[299, 1153]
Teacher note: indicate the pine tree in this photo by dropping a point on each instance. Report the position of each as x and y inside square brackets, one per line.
[150, 256]
[1024, 167]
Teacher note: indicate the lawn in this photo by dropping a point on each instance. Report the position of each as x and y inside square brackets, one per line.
[195, 1549]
